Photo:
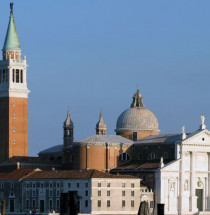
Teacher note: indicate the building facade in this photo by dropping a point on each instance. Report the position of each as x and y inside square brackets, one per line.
[98, 192]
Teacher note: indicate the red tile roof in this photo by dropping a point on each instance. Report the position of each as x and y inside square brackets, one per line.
[17, 174]
[74, 174]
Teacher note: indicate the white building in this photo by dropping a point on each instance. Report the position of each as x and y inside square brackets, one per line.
[183, 185]
[98, 192]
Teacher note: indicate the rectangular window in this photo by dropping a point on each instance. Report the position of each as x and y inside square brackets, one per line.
[58, 203]
[123, 203]
[135, 136]
[132, 203]
[21, 76]
[13, 116]
[108, 192]
[50, 203]
[42, 185]
[58, 185]
[50, 193]
[58, 193]
[17, 76]
[86, 184]
[108, 203]
[132, 185]
[7, 75]
[86, 203]
[27, 203]
[2, 185]
[77, 184]
[51, 185]
[108, 184]
[86, 192]
[99, 203]
[34, 203]
[13, 129]
[99, 184]
[140, 156]
[34, 185]
[123, 184]
[2, 194]
[151, 204]
[132, 193]
[13, 76]
[123, 193]
[34, 193]
[12, 185]
[4, 76]
[69, 185]
[99, 193]
[27, 185]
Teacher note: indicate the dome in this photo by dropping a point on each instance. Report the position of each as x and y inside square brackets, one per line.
[137, 119]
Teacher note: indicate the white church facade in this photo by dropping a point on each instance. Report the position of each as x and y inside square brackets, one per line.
[183, 185]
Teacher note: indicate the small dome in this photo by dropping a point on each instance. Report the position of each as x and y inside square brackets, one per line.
[137, 119]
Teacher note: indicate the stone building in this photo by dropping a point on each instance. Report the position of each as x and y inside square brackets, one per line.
[98, 192]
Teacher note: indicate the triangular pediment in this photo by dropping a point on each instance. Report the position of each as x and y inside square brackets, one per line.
[172, 166]
[199, 137]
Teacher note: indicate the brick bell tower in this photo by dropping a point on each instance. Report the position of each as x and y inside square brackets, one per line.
[13, 96]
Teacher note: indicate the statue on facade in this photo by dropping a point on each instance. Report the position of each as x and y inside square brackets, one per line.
[202, 126]
[183, 133]
[144, 208]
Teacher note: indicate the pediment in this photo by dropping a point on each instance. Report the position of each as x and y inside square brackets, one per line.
[172, 166]
[200, 137]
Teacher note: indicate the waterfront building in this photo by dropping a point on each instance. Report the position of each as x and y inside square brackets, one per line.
[98, 192]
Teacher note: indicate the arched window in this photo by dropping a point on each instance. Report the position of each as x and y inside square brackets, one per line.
[124, 157]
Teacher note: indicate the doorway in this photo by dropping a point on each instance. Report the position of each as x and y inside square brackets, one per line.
[12, 205]
[41, 206]
[199, 194]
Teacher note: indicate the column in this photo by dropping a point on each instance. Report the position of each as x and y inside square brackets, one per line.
[208, 182]
[181, 184]
[193, 198]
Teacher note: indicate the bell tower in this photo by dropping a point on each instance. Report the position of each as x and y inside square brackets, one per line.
[68, 131]
[13, 96]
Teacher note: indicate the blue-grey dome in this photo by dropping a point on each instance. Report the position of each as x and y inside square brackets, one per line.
[137, 119]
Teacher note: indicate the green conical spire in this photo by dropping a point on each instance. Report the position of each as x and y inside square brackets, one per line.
[11, 41]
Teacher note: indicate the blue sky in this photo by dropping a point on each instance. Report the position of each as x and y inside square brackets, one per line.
[90, 55]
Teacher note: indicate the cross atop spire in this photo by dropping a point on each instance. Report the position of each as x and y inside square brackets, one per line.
[137, 99]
